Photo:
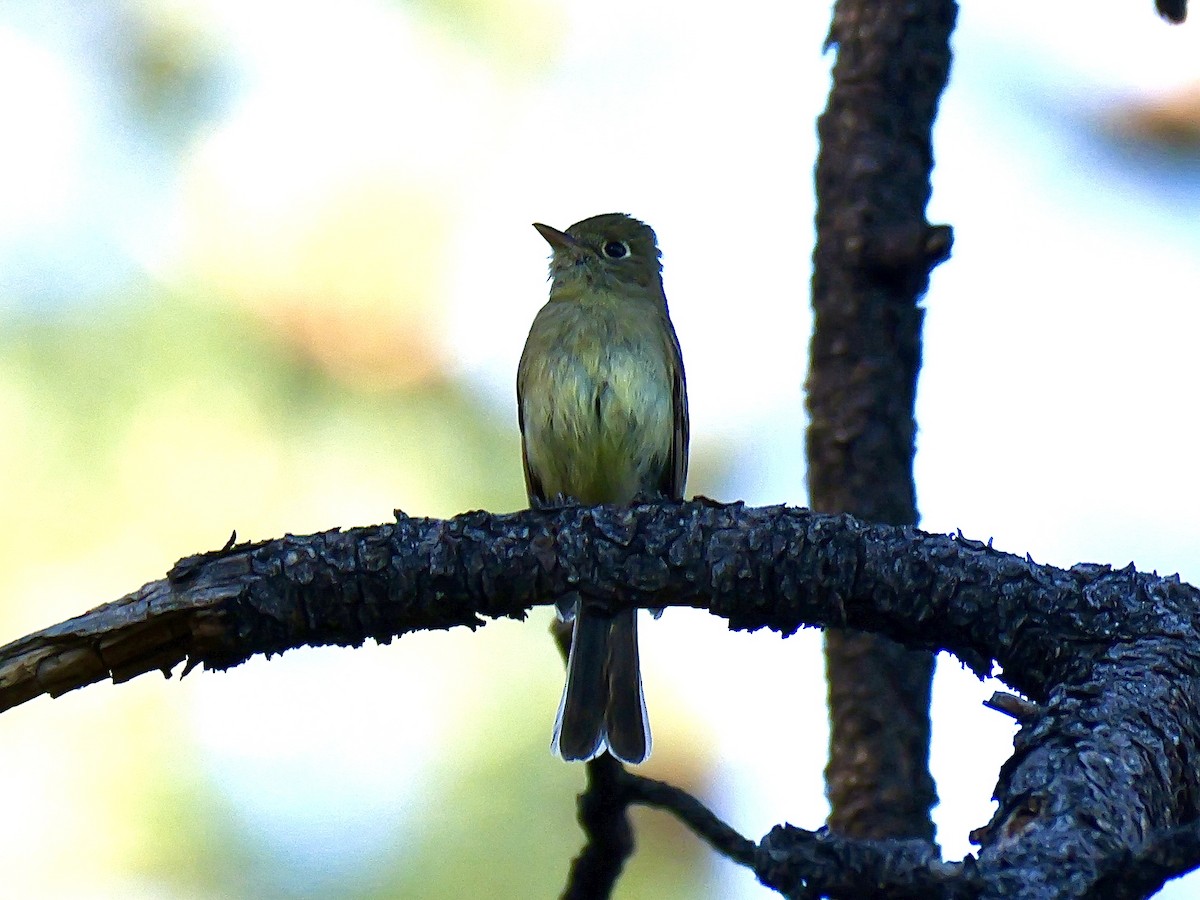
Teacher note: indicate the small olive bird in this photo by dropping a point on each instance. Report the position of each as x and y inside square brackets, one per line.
[602, 406]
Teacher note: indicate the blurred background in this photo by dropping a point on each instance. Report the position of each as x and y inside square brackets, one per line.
[268, 267]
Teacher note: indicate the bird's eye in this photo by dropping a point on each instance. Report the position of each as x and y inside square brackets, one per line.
[616, 249]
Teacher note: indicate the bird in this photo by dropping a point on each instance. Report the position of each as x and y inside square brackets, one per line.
[603, 414]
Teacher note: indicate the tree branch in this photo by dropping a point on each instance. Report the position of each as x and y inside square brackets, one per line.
[871, 266]
[603, 815]
[1109, 657]
[1165, 855]
[772, 567]
[811, 864]
[692, 813]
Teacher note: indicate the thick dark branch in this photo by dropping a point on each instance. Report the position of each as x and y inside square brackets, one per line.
[812, 864]
[871, 265]
[1166, 855]
[804, 864]
[1111, 658]
[874, 253]
[808, 864]
[774, 567]
[1105, 761]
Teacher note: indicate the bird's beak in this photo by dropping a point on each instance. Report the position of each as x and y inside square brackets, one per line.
[559, 240]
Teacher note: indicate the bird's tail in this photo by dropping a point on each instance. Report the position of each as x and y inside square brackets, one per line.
[602, 706]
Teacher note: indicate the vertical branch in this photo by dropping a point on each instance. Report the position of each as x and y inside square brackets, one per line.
[604, 817]
[872, 261]
[603, 814]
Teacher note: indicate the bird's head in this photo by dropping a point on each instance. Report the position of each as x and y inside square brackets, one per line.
[605, 251]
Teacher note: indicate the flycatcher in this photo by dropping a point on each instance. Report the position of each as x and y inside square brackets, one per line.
[602, 406]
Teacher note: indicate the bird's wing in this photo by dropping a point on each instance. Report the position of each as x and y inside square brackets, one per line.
[674, 475]
[533, 484]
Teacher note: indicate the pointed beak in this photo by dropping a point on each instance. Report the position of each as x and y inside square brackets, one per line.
[559, 240]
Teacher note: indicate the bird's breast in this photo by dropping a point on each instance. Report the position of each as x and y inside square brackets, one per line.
[596, 403]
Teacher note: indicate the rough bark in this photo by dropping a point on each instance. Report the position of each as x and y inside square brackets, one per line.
[871, 265]
[1104, 772]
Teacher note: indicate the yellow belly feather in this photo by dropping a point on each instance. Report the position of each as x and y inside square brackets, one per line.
[597, 402]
